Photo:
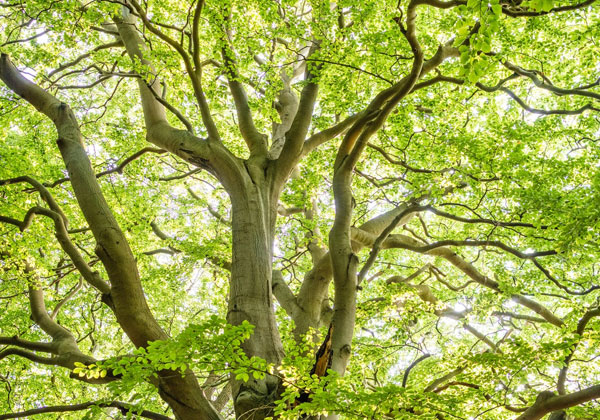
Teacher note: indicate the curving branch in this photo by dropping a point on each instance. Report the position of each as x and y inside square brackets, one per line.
[547, 402]
[495, 244]
[131, 35]
[343, 260]
[500, 87]
[550, 277]
[209, 154]
[74, 62]
[125, 409]
[581, 325]
[63, 346]
[26, 354]
[117, 169]
[130, 305]
[528, 256]
[383, 236]
[61, 234]
[521, 102]
[26, 344]
[512, 11]
[30, 38]
[256, 141]
[44, 193]
[406, 242]
[330, 133]
[411, 367]
[291, 151]
[493, 222]
[545, 84]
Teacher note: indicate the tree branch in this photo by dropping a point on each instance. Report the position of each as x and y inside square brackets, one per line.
[411, 367]
[124, 408]
[207, 119]
[256, 141]
[544, 84]
[321, 137]
[68, 297]
[547, 402]
[406, 242]
[495, 244]
[44, 193]
[84, 56]
[521, 102]
[562, 376]
[295, 136]
[117, 169]
[26, 344]
[518, 12]
[62, 235]
[48, 361]
[284, 295]
[207, 154]
[195, 35]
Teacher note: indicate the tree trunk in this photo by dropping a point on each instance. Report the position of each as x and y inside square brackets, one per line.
[250, 296]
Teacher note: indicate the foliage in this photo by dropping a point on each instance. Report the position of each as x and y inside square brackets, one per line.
[474, 304]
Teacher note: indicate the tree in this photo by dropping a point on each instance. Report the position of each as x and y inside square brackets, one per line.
[372, 209]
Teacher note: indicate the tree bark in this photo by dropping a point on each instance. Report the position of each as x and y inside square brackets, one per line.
[253, 224]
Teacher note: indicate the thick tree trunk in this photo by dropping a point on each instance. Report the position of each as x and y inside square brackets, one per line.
[250, 296]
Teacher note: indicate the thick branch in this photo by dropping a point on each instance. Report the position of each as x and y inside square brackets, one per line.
[255, 140]
[130, 305]
[207, 119]
[26, 344]
[123, 407]
[206, 154]
[284, 295]
[294, 138]
[321, 137]
[316, 282]
[546, 402]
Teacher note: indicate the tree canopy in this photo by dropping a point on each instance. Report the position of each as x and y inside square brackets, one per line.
[292, 209]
